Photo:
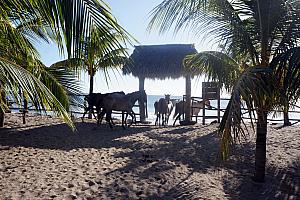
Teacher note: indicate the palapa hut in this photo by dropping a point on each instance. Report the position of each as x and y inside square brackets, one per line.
[159, 62]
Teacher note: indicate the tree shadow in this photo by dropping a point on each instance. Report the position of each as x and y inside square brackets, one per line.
[166, 152]
[281, 183]
[60, 136]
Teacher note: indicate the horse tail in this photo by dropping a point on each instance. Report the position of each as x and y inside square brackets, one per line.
[155, 107]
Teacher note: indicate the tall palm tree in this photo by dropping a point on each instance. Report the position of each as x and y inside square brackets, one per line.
[266, 33]
[98, 54]
[64, 22]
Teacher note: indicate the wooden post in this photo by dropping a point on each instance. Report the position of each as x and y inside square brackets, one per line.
[141, 103]
[203, 115]
[2, 113]
[25, 109]
[204, 96]
[188, 92]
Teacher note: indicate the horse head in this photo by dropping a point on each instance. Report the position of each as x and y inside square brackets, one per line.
[91, 98]
[167, 97]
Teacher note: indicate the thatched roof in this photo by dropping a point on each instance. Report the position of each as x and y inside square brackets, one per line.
[158, 61]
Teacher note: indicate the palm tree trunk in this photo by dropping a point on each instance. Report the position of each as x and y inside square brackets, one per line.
[91, 91]
[286, 120]
[91, 84]
[260, 152]
[263, 9]
[261, 130]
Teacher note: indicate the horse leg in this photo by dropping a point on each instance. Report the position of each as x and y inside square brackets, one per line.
[133, 117]
[159, 120]
[156, 119]
[94, 113]
[85, 111]
[175, 118]
[82, 118]
[178, 117]
[108, 118]
[123, 120]
[100, 116]
[167, 118]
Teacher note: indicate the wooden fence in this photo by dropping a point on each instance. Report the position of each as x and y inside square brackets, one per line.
[78, 109]
[202, 115]
[245, 112]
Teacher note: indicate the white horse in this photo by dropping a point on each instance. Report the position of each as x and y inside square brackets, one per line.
[197, 106]
[163, 108]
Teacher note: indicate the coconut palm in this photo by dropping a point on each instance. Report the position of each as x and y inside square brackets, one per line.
[97, 55]
[64, 22]
[265, 33]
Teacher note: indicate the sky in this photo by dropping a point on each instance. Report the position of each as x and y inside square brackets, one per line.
[134, 16]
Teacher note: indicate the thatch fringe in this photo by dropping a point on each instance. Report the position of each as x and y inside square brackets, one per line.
[158, 61]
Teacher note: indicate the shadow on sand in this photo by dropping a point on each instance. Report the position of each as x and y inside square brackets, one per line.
[60, 136]
[199, 154]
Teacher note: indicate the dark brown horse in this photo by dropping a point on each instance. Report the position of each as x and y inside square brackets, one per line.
[122, 103]
[96, 100]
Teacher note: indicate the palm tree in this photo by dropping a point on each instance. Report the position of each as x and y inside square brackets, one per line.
[64, 22]
[98, 54]
[263, 32]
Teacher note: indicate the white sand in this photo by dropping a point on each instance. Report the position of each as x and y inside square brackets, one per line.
[45, 160]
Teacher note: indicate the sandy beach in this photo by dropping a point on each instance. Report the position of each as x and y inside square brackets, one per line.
[44, 159]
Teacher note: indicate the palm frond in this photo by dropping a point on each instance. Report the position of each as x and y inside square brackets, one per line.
[287, 32]
[16, 77]
[286, 68]
[219, 21]
[255, 89]
[217, 66]
[70, 21]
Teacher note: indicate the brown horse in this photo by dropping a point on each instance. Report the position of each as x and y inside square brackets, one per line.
[122, 103]
[197, 106]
